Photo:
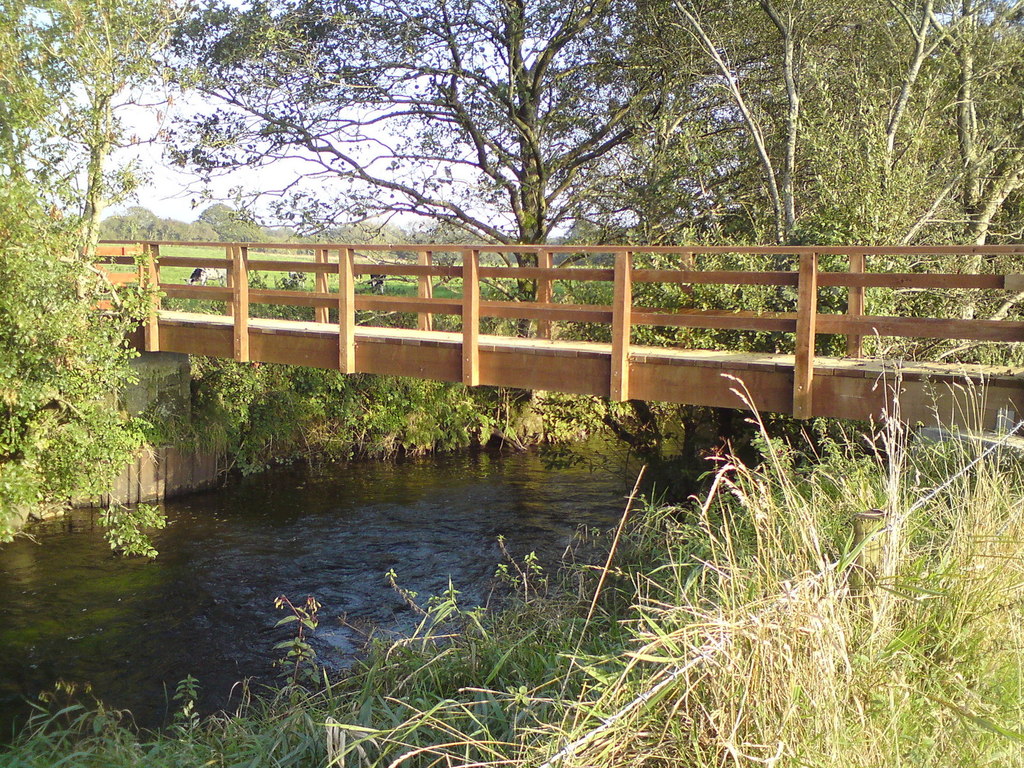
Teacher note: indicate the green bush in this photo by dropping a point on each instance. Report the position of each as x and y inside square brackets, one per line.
[61, 360]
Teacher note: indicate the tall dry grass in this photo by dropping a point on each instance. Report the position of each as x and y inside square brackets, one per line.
[796, 667]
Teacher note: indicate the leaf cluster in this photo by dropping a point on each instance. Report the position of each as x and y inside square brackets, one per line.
[61, 361]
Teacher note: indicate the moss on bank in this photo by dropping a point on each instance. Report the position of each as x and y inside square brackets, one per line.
[725, 632]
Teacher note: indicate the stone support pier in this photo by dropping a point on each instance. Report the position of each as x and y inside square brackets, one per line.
[163, 393]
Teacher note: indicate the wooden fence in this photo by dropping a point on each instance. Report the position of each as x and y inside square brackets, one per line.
[805, 322]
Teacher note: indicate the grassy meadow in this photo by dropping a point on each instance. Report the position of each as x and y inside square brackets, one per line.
[394, 286]
[743, 628]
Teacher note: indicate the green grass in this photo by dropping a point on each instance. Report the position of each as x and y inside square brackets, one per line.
[724, 633]
[443, 288]
[394, 286]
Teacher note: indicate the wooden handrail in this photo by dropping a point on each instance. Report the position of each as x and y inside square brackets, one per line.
[805, 322]
[765, 250]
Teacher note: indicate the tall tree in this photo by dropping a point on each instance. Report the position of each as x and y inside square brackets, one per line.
[62, 362]
[860, 121]
[92, 58]
[494, 116]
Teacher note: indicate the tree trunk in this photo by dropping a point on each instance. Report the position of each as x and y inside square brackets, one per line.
[95, 201]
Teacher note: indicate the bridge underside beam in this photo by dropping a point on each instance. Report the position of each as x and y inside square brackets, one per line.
[970, 396]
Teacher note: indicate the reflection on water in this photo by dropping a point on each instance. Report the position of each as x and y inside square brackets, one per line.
[70, 610]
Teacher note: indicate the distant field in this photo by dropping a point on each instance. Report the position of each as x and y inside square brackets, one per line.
[394, 286]
[450, 288]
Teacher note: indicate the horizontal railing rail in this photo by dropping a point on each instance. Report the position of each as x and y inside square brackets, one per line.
[338, 263]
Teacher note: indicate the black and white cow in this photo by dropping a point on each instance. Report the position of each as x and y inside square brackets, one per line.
[201, 276]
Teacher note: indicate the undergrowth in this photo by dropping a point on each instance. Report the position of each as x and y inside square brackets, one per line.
[726, 632]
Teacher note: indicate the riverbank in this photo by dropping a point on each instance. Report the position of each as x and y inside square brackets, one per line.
[733, 630]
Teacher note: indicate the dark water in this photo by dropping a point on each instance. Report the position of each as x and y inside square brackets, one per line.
[70, 610]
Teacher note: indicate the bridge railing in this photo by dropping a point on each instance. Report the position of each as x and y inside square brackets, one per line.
[336, 267]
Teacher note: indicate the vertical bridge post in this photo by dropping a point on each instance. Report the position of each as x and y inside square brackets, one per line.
[346, 311]
[855, 305]
[320, 256]
[152, 284]
[806, 316]
[545, 260]
[240, 302]
[622, 310]
[471, 318]
[425, 290]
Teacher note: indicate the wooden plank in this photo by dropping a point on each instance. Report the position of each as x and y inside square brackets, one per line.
[714, 277]
[568, 313]
[211, 341]
[204, 292]
[550, 273]
[230, 279]
[923, 327]
[855, 305]
[711, 318]
[152, 284]
[471, 318]
[422, 362]
[304, 267]
[310, 350]
[408, 304]
[528, 273]
[700, 385]
[1013, 283]
[127, 261]
[622, 306]
[121, 278]
[877, 250]
[111, 250]
[346, 311]
[321, 313]
[296, 298]
[189, 261]
[425, 290]
[240, 270]
[685, 376]
[407, 270]
[555, 273]
[545, 261]
[806, 314]
[524, 370]
[934, 281]
[574, 313]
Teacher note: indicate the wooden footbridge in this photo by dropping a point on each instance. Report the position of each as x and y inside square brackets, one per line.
[465, 296]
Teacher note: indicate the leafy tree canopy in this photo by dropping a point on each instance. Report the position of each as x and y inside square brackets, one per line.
[498, 118]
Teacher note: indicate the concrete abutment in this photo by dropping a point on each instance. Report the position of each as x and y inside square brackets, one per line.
[163, 392]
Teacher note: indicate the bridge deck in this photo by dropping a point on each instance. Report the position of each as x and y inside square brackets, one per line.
[848, 388]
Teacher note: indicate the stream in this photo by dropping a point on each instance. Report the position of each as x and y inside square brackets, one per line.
[131, 629]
